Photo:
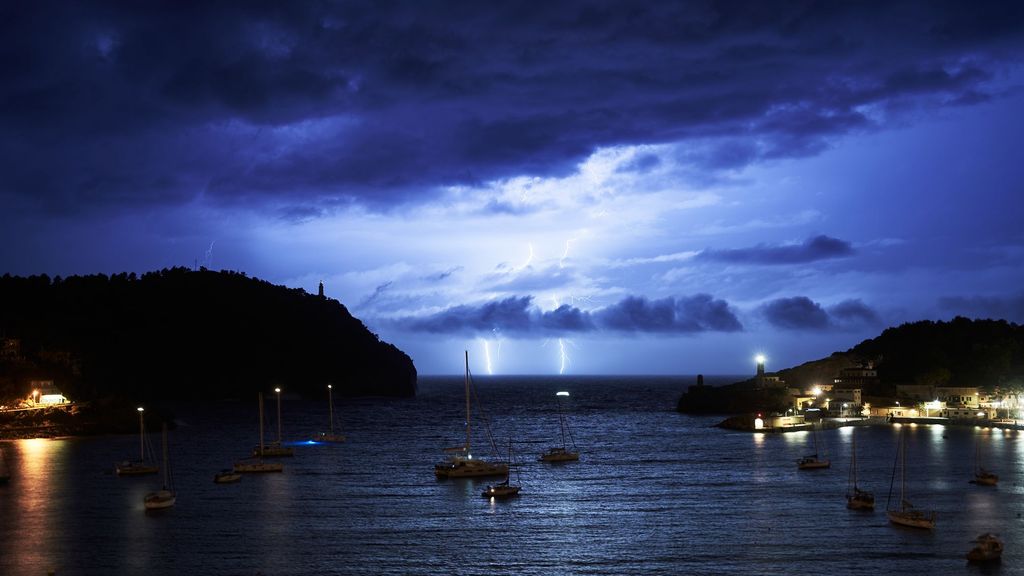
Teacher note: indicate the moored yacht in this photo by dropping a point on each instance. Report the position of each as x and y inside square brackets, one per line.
[460, 462]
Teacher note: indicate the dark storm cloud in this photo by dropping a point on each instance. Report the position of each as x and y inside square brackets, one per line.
[517, 316]
[1009, 307]
[698, 313]
[801, 313]
[511, 315]
[112, 104]
[816, 248]
[851, 312]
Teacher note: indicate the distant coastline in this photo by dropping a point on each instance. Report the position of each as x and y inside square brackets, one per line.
[958, 372]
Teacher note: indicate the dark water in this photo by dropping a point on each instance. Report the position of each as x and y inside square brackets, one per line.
[655, 492]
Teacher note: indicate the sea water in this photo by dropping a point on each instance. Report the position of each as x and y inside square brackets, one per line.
[654, 492]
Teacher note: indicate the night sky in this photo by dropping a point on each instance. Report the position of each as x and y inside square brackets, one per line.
[646, 188]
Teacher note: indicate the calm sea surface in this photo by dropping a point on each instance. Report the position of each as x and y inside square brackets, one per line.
[655, 492]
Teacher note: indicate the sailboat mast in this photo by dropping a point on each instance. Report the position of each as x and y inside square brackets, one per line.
[278, 392]
[561, 420]
[261, 423]
[142, 440]
[903, 470]
[166, 471]
[330, 404]
[468, 428]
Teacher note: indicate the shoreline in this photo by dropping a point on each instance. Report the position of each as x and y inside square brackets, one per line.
[746, 423]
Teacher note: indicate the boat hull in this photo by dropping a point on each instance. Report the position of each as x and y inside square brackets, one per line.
[135, 469]
[855, 503]
[469, 469]
[226, 477]
[989, 549]
[986, 479]
[559, 455]
[813, 464]
[912, 519]
[159, 500]
[501, 491]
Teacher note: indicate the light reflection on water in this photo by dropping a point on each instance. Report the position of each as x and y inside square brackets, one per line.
[654, 492]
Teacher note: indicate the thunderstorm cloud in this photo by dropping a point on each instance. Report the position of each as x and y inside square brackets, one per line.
[517, 316]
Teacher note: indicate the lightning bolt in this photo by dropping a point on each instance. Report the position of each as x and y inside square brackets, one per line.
[529, 259]
[497, 340]
[209, 255]
[565, 357]
[565, 253]
[487, 356]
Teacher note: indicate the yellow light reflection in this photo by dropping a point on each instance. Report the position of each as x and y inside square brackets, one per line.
[38, 471]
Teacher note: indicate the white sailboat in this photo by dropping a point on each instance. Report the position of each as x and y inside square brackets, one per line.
[274, 449]
[138, 467]
[257, 464]
[857, 499]
[561, 453]
[811, 461]
[905, 514]
[329, 436]
[504, 489]
[460, 462]
[165, 497]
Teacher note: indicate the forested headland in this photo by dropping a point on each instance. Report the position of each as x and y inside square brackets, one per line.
[179, 334]
[961, 352]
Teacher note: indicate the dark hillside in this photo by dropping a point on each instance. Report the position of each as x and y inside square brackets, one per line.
[961, 352]
[182, 334]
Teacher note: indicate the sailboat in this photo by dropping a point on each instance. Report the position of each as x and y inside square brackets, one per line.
[165, 497]
[137, 467]
[329, 436]
[857, 499]
[905, 514]
[257, 464]
[982, 476]
[274, 449]
[504, 489]
[460, 462]
[811, 461]
[561, 453]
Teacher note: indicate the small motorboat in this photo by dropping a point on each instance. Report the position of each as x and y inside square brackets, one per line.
[988, 548]
[502, 490]
[985, 478]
